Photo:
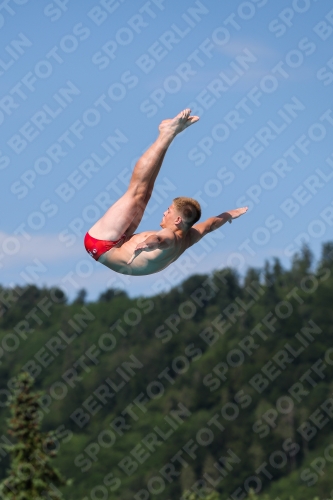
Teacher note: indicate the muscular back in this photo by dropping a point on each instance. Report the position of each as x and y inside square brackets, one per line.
[147, 262]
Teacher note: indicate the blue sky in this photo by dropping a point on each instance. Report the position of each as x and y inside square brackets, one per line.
[83, 89]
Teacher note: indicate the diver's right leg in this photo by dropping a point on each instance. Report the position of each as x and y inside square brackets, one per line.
[125, 215]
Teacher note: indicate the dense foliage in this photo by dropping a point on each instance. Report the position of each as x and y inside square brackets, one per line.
[222, 383]
[31, 475]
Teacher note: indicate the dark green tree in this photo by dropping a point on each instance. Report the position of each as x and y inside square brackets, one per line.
[30, 476]
[81, 297]
[110, 294]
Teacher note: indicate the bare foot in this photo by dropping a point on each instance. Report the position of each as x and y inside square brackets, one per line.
[237, 213]
[177, 124]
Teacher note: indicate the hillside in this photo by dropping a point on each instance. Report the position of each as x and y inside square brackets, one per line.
[220, 382]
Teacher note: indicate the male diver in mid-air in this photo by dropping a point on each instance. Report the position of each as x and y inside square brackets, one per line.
[112, 242]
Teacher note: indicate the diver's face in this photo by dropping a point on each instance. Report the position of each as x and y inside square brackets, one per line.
[169, 217]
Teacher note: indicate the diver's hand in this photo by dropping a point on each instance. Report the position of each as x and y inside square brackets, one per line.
[141, 247]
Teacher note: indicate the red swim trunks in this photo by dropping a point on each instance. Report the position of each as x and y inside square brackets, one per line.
[96, 248]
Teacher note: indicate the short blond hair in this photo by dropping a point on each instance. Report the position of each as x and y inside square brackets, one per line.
[188, 208]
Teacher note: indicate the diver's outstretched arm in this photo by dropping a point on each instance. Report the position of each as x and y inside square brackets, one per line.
[212, 223]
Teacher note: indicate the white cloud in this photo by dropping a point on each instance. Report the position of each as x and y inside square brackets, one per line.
[267, 57]
[260, 50]
[19, 250]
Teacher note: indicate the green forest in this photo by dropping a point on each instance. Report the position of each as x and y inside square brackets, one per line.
[218, 388]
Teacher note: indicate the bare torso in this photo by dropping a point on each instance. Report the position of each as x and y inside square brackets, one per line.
[147, 262]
